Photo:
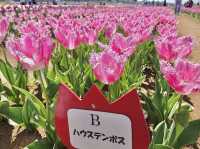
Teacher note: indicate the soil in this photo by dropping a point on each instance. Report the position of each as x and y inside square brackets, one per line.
[15, 137]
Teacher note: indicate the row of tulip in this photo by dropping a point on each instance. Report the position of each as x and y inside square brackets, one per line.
[114, 47]
[194, 11]
[34, 46]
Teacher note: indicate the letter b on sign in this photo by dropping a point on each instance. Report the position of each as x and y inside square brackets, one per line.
[95, 120]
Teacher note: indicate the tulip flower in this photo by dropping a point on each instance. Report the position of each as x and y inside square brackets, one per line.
[194, 10]
[165, 50]
[107, 66]
[35, 28]
[89, 36]
[3, 28]
[29, 27]
[110, 29]
[122, 45]
[184, 77]
[170, 49]
[139, 37]
[31, 52]
[184, 46]
[68, 38]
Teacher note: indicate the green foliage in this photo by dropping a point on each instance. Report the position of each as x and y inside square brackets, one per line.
[170, 135]
[33, 112]
[72, 68]
[133, 75]
[189, 135]
[13, 76]
[11, 112]
[45, 144]
[102, 38]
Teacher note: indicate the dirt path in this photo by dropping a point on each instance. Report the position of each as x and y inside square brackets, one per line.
[187, 25]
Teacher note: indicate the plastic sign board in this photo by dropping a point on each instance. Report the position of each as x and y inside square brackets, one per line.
[92, 122]
[92, 129]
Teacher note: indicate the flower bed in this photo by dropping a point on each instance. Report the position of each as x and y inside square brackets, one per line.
[194, 11]
[118, 48]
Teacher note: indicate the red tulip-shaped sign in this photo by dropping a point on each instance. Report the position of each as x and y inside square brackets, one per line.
[93, 123]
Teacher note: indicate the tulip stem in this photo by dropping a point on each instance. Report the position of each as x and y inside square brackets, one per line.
[180, 103]
[43, 80]
[44, 87]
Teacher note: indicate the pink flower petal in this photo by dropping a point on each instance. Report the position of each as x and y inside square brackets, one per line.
[107, 66]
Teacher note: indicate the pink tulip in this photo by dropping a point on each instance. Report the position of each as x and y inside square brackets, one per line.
[73, 40]
[167, 25]
[4, 24]
[31, 52]
[37, 29]
[107, 66]
[122, 45]
[184, 77]
[194, 10]
[29, 27]
[110, 29]
[165, 50]
[188, 71]
[139, 37]
[171, 48]
[68, 38]
[184, 46]
[90, 36]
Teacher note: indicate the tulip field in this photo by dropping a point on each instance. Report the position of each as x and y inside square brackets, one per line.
[192, 10]
[115, 47]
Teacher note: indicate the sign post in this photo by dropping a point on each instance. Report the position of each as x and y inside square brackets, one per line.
[94, 123]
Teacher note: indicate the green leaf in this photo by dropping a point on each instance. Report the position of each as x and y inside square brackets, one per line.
[182, 117]
[189, 135]
[164, 135]
[21, 78]
[153, 113]
[160, 146]
[172, 101]
[52, 89]
[158, 133]
[31, 115]
[13, 113]
[171, 134]
[40, 144]
[37, 103]
[58, 145]
[7, 71]
[173, 110]
[26, 114]
[51, 74]
[178, 130]
[157, 100]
